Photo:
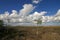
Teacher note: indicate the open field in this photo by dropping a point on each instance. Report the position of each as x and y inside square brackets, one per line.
[36, 33]
[44, 33]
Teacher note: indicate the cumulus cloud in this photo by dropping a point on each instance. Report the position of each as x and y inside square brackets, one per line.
[58, 13]
[14, 13]
[54, 18]
[57, 16]
[1, 16]
[44, 18]
[36, 16]
[4, 16]
[36, 1]
[23, 15]
[14, 17]
[18, 17]
[27, 8]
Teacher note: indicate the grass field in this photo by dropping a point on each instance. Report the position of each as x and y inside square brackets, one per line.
[44, 32]
[36, 33]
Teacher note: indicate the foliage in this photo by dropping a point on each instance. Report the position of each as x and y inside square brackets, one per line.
[1, 23]
[39, 22]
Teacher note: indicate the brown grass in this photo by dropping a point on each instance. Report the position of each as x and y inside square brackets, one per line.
[44, 32]
[32, 33]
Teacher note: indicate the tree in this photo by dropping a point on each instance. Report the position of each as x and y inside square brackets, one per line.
[1, 23]
[39, 21]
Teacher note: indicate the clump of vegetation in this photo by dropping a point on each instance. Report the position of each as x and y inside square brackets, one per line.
[7, 33]
[1, 23]
[29, 33]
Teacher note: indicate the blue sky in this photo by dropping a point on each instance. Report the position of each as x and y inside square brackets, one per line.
[51, 6]
[46, 10]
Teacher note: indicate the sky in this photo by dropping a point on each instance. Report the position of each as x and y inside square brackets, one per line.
[51, 6]
[30, 10]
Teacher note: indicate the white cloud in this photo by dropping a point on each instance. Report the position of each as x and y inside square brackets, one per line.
[14, 17]
[57, 16]
[44, 18]
[36, 1]
[17, 17]
[58, 13]
[14, 13]
[4, 16]
[48, 18]
[1, 16]
[23, 16]
[54, 18]
[36, 16]
[27, 8]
